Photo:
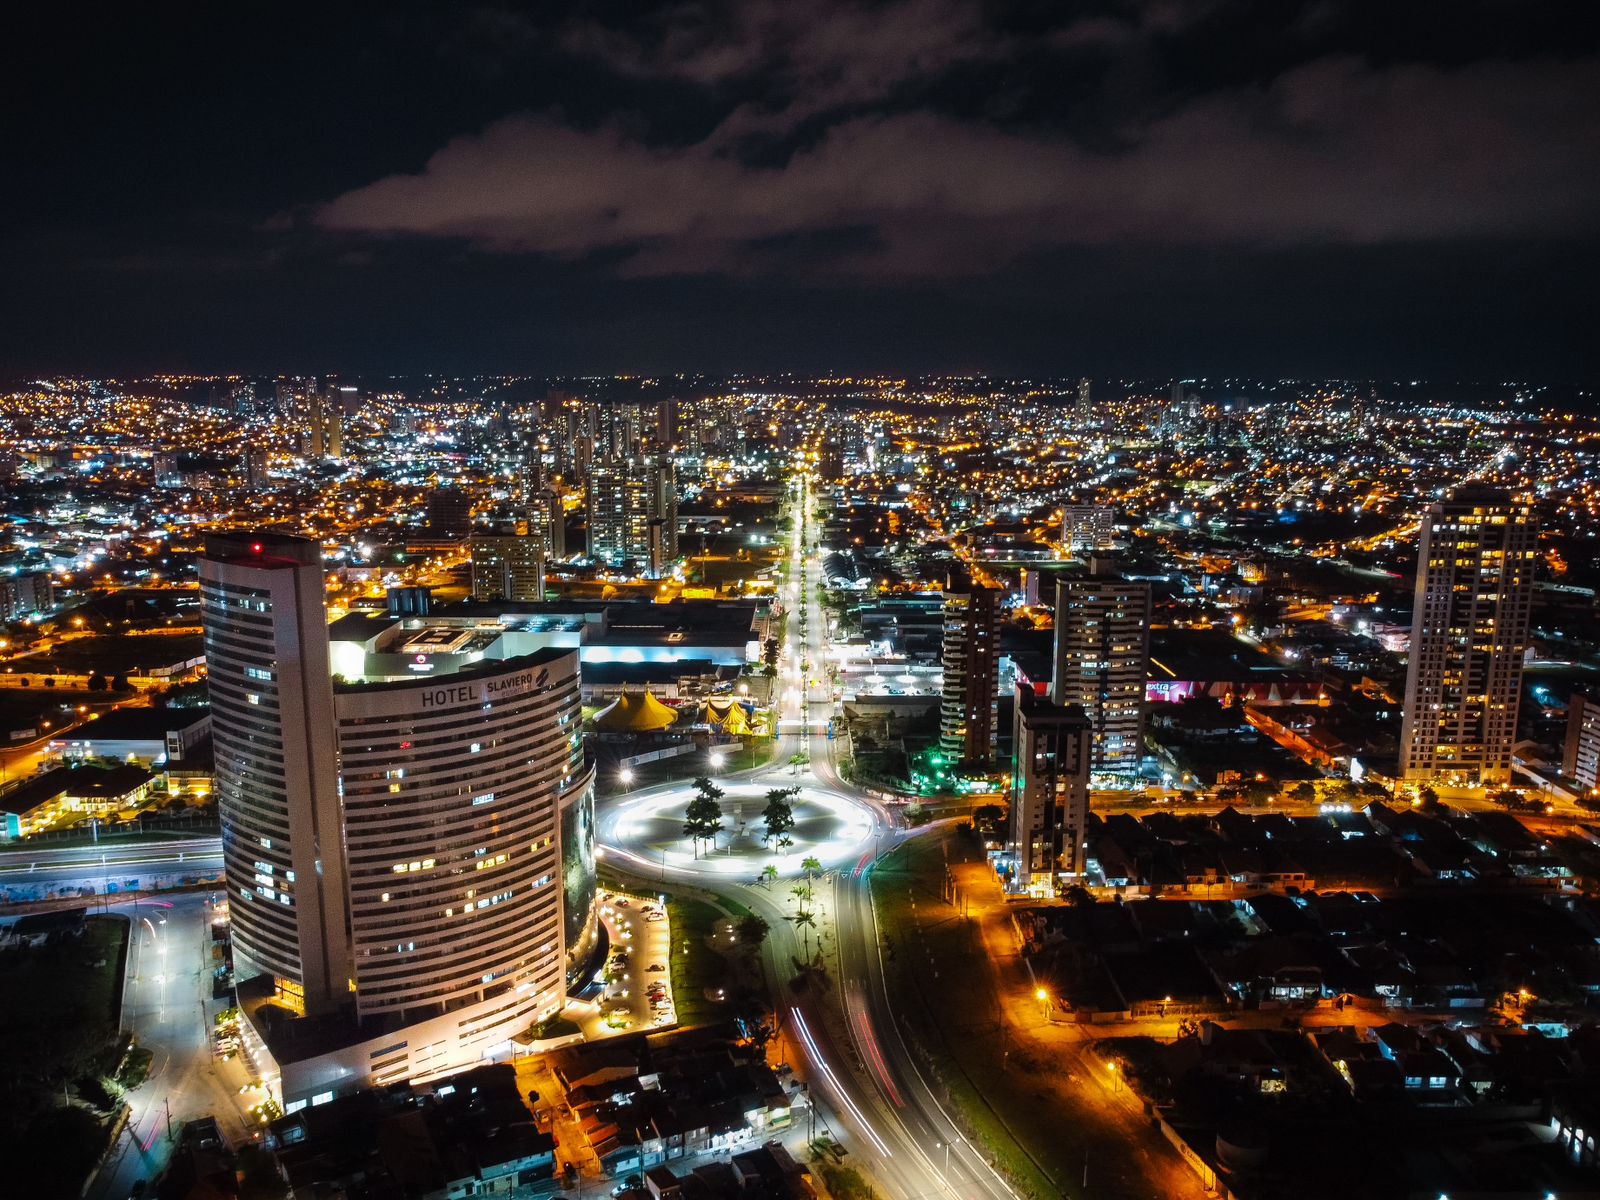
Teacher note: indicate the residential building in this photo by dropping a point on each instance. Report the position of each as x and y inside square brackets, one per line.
[24, 594]
[1102, 654]
[633, 515]
[1086, 527]
[1049, 791]
[1469, 635]
[1581, 760]
[970, 653]
[508, 567]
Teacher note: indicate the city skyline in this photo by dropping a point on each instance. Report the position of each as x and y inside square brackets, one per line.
[800, 600]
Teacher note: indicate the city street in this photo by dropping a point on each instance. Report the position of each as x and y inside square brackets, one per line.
[168, 1009]
[869, 1093]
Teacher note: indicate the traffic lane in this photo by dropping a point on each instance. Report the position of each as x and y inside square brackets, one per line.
[846, 1061]
[844, 1101]
[114, 852]
[927, 1123]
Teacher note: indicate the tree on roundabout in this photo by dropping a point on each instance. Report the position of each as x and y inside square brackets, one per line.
[703, 818]
[779, 813]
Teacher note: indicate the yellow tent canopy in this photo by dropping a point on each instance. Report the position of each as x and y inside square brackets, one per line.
[634, 712]
[727, 715]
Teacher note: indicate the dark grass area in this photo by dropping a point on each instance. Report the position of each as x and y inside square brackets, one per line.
[113, 654]
[58, 1026]
[952, 1010]
[695, 966]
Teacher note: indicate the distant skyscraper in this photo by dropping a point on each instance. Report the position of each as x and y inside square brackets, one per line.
[1049, 791]
[664, 509]
[508, 567]
[547, 520]
[1101, 658]
[255, 470]
[618, 514]
[1469, 633]
[447, 512]
[971, 659]
[169, 472]
[633, 514]
[25, 594]
[1085, 407]
[325, 422]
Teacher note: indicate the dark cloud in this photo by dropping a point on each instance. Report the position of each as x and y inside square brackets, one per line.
[1100, 185]
[1333, 151]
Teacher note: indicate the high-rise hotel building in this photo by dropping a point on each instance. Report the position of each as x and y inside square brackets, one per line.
[407, 827]
[1469, 635]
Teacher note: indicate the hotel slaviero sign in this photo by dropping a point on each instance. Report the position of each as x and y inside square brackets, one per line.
[494, 689]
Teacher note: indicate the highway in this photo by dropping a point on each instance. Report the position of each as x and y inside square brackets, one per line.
[38, 872]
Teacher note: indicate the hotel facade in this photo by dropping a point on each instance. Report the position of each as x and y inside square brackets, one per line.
[407, 829]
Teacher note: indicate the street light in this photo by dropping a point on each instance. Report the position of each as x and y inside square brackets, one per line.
[626, 775]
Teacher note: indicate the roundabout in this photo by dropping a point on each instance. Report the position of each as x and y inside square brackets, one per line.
[829, 826]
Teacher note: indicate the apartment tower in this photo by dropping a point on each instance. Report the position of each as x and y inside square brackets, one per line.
[1049, 792]
[1102, 655]
[971, 657]
[1469, 633]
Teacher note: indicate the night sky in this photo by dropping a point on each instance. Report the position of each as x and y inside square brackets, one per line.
[1187, 187]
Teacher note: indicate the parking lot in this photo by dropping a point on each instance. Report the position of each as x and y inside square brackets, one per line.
[638, 990]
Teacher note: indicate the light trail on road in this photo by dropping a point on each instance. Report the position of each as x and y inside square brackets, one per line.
[839, 1090]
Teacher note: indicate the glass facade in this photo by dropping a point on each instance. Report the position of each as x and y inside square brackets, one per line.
[577, 878]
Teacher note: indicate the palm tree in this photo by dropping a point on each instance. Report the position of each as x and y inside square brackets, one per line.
[804, 922]
[769, 874]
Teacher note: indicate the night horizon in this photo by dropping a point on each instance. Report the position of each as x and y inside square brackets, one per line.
[1280, 191]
